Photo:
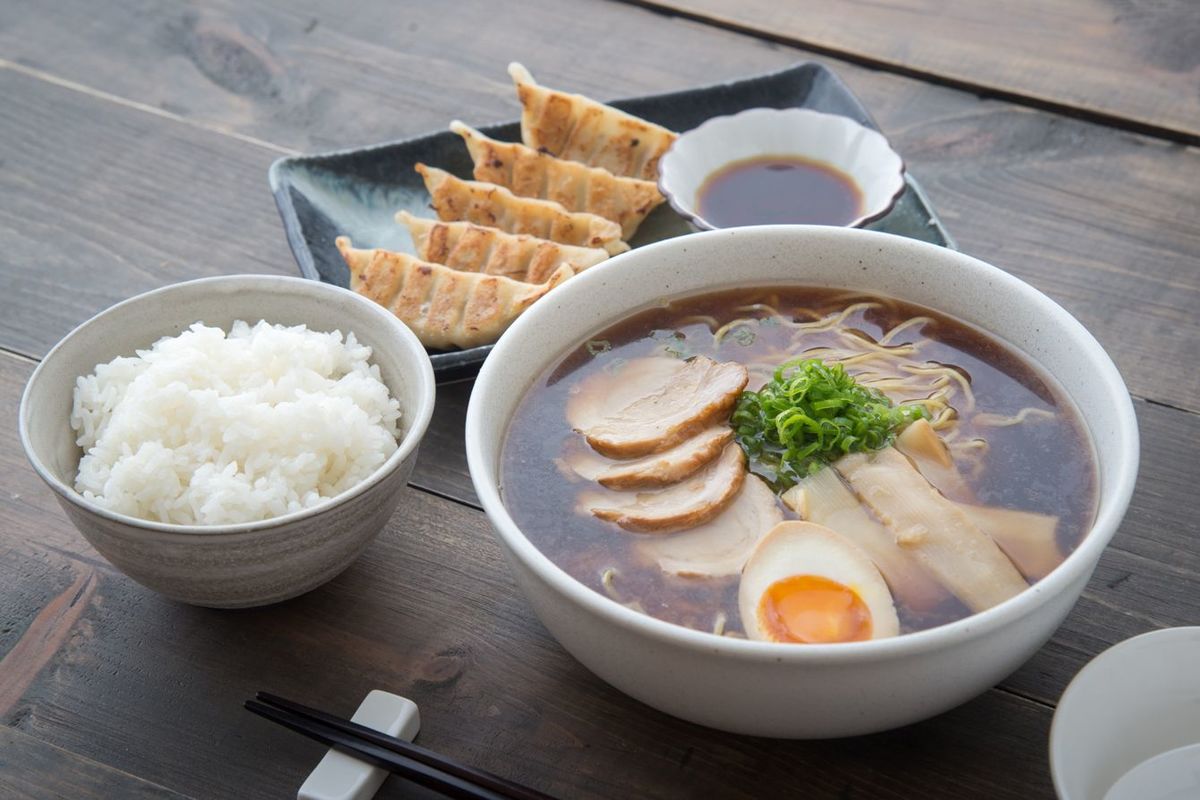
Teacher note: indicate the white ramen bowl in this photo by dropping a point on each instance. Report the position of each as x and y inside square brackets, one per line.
[862, 154]
[802, 691]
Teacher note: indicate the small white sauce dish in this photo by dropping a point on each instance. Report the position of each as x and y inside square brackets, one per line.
[1130, 719]
[862, 155]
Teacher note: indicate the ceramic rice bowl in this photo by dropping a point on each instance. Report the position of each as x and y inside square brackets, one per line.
[250, 564]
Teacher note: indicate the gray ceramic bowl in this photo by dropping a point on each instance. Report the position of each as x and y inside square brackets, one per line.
[229, 566]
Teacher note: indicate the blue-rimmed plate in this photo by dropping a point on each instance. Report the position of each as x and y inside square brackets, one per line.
[358, 192]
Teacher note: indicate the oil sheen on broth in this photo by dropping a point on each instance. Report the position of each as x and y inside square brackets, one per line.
[1037, 457]
[779, 189]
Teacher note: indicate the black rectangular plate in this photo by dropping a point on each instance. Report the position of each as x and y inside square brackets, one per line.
[358, 192]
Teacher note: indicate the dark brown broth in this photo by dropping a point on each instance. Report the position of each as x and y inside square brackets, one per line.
[1045, 466]
[778, 189]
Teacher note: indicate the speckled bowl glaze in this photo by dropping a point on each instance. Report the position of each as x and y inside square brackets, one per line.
[229, 566]
[856, 150]
[802, 691]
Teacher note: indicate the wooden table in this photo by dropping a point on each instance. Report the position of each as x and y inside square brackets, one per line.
[1058, 140]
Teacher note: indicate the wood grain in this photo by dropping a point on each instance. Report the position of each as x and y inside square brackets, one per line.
[430, 612]
[102, 202]
[34, 770]
[155, 688]
[1098, 219]
[312, 75]
[41, 640]
[1120, 62]
[442, 462]
[133, 151]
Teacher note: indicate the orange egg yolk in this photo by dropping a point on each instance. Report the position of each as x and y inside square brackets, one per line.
[812, 609]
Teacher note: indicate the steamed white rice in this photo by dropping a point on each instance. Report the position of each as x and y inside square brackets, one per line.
[212, 428]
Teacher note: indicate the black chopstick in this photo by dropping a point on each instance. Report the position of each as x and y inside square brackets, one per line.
[416, 763]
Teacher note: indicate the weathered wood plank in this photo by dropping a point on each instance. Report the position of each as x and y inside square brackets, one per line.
[156, 688]
[33, 770]
[430, 612]
[1123, 63]
[102, 202]
[442, 463]
[1097, 218]
[153, 687]
[314, 75]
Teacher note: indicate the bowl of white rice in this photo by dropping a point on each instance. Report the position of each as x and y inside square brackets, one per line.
[231, 441]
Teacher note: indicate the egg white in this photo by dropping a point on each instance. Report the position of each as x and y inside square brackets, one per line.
[805, 548]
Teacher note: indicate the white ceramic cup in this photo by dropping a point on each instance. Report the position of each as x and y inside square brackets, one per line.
[1135, 701]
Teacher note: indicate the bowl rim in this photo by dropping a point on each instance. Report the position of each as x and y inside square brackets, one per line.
[1075, 567]
[685, 208]
[419, 417]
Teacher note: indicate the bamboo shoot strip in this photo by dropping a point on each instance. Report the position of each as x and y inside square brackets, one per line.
[823, 498]
[935, 530]
[921, 443]
[1029, 539]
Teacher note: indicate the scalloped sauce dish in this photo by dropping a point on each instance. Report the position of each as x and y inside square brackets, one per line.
[767, 166]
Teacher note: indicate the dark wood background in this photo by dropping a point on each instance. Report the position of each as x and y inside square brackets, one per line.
[1057, 141]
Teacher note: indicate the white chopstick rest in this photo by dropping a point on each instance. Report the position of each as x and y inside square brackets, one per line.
[340, 777]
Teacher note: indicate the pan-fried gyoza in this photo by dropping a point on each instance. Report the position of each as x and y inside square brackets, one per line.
[495, 206]
[474, 248]
[537, 214]
[578, 128]
[443, 306]
[575, 186]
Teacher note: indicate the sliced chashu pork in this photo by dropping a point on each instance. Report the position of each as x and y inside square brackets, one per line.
[652, 404]
[595, 397]
[719, 547]
[683, 505]
[932, 528]
[655, 470]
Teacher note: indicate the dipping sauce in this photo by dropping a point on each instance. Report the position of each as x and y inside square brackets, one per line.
[773, 189]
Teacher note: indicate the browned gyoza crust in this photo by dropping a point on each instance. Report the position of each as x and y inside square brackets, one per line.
[474, 248]
[578, 128]
[443, 307]
[497, 207]
[575, 186]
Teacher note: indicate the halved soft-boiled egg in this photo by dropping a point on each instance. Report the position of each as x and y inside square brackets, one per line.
[806, 584]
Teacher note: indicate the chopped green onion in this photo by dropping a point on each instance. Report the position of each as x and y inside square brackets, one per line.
[810, 414]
